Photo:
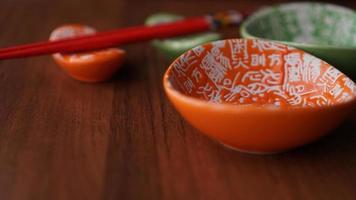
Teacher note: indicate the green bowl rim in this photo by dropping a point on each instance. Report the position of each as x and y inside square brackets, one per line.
[245, 34]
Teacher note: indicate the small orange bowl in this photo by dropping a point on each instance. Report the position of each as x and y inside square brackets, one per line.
[94, 66]
[258, 96]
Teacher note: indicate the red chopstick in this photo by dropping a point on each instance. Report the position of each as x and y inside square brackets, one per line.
[123, 36]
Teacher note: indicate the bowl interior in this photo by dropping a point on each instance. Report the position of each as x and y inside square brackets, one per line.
[311, 23]
[251, 71]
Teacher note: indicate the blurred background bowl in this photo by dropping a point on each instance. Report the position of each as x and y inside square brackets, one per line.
[325, 30]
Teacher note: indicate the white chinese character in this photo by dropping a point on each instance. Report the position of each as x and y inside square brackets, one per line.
[238, 50]
[314, 72]
[227, 82]
[311, 68]
[324, 85]
[188, 58]
[292, 59]
[215, 50]
[320, 100]
[336, 91]
[178, 69]
[252, 76]
[257, 88]
[205, 90]
[239, 89]
[241, 63]
[184, 63]
[329, 78]
[277, 90]
[294, 74]
[275, 60]
[224, 61]
[217, 74]
[258, 60]
[331, 75]
[215, 71]
[266, 45]
[259, 44]
[349, 84]
[295, 100]
[295, 89]
[245, 93]
[292, 67]
[270, 77]
[198, 50]
[196, 74]
[215, 96]
[231, 95]
[188, 84]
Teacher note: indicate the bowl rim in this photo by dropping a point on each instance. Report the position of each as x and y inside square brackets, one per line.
[170, 90]
[246, 34]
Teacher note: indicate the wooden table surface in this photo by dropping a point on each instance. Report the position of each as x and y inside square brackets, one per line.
[63, 139]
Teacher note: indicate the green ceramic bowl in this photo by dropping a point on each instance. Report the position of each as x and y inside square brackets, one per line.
[174, 47]
[325, 30]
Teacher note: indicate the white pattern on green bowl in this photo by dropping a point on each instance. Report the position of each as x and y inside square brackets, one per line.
[325, 30]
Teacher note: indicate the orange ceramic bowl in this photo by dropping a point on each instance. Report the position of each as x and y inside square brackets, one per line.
[258, 96]
[92, 66]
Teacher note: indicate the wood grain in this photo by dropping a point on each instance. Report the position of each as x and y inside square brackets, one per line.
[62, 139]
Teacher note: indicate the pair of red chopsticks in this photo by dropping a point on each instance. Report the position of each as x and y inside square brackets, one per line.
[125, 36]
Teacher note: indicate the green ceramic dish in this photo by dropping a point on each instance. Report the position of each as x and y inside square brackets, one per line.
[325, 30]
[172, 48]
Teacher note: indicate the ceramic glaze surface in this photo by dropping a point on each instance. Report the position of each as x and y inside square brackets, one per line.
[75, 31]
[93, 66]
[174, 47]
[258, 72]
[312, 23]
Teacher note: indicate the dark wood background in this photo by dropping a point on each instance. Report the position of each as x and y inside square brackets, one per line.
[62, 139]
